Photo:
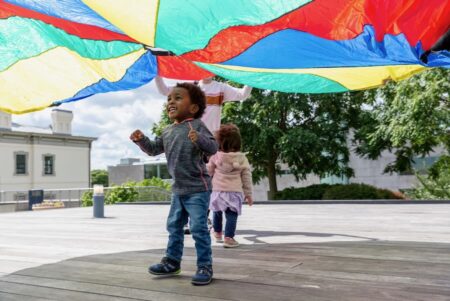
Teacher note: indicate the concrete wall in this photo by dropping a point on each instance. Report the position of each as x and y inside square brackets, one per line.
[372, 172]
[123, 173]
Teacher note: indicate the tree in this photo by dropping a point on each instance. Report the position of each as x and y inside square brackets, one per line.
[436, 185]
[158, 128]
[99, 176]
[409, 118]
[307, 132]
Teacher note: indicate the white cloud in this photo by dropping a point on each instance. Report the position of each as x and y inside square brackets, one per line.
[111, 118]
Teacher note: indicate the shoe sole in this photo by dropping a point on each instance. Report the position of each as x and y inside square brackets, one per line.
[230, 246]
[165, 274]
[201, 283]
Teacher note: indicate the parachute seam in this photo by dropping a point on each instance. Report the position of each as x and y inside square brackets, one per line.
[156, 21]
[58, 103]
[96, 83]
[69, 23]
[310, 74]
[273, 20]
[336, 41]
[59, 46]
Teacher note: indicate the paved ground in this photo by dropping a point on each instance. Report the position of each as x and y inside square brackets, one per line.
[289, 252]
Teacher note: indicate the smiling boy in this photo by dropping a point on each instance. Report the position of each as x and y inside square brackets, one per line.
[185, 144]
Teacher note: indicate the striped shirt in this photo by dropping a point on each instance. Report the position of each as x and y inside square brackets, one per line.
[185, 160]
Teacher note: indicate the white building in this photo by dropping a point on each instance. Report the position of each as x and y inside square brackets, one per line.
[43, 158]
[132, 169]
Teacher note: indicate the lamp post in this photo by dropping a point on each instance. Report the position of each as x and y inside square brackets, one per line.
[99, 201]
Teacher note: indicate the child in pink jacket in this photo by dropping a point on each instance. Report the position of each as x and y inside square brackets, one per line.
[231, 183]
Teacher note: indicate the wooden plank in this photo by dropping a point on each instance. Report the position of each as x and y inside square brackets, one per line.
[56, 294]
[375, 251]
[220, 289]
[17, 297]
[352, 289]
[400, 268]
[116, 291]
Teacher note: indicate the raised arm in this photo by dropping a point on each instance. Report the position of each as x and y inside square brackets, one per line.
[151, 148]
[162, 87]
[235, 94]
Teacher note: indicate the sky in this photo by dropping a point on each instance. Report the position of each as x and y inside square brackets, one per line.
[110, 118]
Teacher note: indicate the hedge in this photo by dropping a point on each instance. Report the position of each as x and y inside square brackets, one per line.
[336, 192]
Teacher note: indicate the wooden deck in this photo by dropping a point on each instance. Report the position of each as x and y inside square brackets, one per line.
[265, 267]
[323, 271]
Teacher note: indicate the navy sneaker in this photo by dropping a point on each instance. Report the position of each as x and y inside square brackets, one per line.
[203, 276]
[166, 267]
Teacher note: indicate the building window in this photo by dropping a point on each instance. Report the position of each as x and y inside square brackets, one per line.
[49, 165]
[156, 171]
[333, 180]
[164, 172]
[420, 165]
[150, 171]
[21, 159]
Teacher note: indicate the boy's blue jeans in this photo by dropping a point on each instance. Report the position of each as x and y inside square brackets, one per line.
[194, 206]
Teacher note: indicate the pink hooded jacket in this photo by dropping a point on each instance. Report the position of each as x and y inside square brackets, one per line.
[230, 172]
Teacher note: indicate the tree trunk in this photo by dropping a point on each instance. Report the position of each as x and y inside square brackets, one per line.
[272, 176]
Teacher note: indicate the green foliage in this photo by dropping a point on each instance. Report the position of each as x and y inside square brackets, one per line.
[336, 192]
[156, 182]
[99, 176]
[132, 192]
[437, 184]
[409, 118]
[357, 192]
[152, 194]
[440, 168]
[86, 199]
[312, 192]
[165, 121]
[123, 193]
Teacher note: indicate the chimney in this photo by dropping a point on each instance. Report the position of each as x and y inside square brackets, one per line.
[62, 121]
[5, 121]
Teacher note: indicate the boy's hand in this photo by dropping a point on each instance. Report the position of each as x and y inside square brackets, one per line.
[249, 200]
[137, 135]
[193, 135]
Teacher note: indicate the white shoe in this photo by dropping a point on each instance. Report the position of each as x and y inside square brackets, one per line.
[218, 237]
[229, 242]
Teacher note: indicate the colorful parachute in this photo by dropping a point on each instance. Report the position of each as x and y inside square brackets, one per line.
[57, 51]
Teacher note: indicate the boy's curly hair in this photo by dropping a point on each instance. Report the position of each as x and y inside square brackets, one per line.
[229, 138]
[197, 97]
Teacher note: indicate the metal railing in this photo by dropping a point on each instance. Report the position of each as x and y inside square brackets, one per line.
[75, 195]
[143, 193]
